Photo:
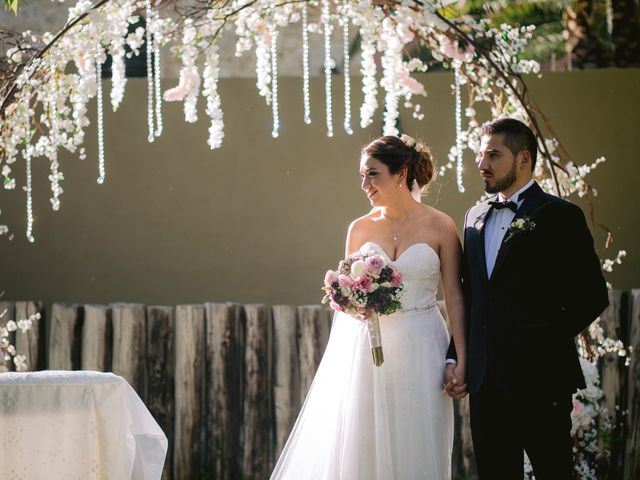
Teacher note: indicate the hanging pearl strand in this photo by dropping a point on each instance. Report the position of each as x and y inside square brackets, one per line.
[27, 152]
[305, 64]
[156, 75]
[458, 113]
[150, 81]
[347, 78]
[101, 169]
[274, 81]
[327, 64]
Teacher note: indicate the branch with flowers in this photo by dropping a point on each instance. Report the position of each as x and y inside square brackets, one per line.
[8, 353]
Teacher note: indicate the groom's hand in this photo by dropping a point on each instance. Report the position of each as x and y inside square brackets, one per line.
[452, 386]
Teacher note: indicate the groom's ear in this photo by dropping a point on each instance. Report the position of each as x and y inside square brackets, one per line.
[524, 159]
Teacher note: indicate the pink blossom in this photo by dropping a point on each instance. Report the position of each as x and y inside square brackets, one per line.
[410, 83]
[374, 264]
[396, 279]
[577, 407]
[189, 80]
[451, 50]
[330, 277]
[362, 283]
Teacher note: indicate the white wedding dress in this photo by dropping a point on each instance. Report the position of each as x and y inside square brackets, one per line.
[362, 422]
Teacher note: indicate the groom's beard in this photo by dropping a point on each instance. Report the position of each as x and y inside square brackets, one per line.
[502, 183]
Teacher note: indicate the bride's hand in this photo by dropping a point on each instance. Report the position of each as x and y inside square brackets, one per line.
[454, 381]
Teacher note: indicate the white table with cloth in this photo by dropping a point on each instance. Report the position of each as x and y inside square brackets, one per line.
[76, 425]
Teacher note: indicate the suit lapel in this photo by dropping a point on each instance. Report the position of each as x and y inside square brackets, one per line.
[482, 216]
[533, 200]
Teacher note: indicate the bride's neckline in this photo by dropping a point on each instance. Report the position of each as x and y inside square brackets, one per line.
[429, 247]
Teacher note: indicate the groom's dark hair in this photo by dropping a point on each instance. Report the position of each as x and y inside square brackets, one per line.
[517, 136]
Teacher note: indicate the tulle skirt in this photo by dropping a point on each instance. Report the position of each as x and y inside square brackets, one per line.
[361, 422]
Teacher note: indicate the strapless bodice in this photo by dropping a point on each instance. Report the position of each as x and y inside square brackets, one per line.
[420, 268]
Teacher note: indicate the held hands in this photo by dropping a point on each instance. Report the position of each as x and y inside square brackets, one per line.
[454, 381]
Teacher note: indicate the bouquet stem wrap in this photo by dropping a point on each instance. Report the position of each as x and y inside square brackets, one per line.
[375, 339]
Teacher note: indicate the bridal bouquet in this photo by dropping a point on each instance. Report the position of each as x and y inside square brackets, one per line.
[364, 286]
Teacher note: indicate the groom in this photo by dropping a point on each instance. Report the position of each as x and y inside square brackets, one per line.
[532, 283]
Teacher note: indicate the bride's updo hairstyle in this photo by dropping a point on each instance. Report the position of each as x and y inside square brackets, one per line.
[404, 151]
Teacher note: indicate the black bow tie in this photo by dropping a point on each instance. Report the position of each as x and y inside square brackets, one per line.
[500, 205]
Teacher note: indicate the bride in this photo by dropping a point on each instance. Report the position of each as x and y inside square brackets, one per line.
[393, 422]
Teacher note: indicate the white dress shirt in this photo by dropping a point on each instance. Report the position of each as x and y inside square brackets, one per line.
[497, 226]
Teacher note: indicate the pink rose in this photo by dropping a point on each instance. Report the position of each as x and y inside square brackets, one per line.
[330, 278]
[345, 281]
[374, 264]
[335, 306]
[396, 279]
[362, 283]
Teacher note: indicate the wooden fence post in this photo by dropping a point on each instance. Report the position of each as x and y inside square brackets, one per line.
[129, 346]
[160, 375]
[612, 381]
[286, 373]
[31, 343]
[313, 335]
[223, 385]
[65, 337]
[96, 338]
[632, 452]
[189, 376]
[257, 399]
[7, 310]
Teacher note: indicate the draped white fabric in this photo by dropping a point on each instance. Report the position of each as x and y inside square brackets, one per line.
[361, 422]
[76, 425]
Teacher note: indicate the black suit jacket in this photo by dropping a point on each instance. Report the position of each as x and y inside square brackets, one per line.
[545, 288]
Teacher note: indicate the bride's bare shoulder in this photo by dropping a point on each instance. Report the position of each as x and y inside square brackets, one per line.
[359, 230]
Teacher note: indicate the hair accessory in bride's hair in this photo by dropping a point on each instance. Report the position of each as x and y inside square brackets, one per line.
[411, 143]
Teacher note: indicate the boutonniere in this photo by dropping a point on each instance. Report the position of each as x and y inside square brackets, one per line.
[524, 224]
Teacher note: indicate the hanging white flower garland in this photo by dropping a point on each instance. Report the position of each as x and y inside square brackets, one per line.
[384, 31]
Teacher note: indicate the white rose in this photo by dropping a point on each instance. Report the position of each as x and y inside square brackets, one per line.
[357, 269]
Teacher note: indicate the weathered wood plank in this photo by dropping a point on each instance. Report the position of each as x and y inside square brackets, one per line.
[7, 311]
[286, 373]
[129, 345]
[65, 337]
[160, 375]
[257, 398]
[313, 335]
[613, 383]
[632, 452]
[224, 380]
[463, 464]
[31, 343]
[96, 338]
[189, 376]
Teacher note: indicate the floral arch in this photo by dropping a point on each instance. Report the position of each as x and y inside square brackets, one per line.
[48, 81]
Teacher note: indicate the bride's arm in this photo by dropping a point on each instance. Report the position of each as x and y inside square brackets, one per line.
[450, 269]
